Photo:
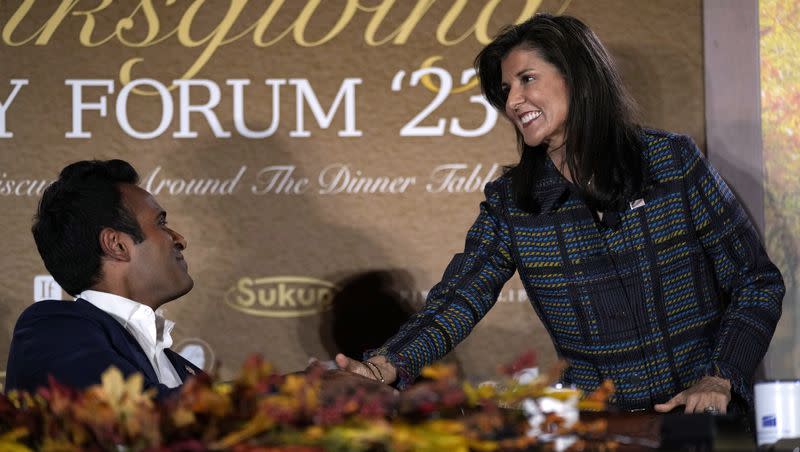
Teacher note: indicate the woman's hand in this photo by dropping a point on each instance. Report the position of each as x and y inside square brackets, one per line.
[709, 395]
[378, 368]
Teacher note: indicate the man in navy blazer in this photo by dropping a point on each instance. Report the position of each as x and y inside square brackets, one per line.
[106, 242]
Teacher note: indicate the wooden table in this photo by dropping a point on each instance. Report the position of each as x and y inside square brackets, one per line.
[647, 431]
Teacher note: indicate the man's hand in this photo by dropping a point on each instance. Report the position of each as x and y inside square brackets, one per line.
[709, 392]
[379, 368]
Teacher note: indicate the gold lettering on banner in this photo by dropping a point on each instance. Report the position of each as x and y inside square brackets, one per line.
[481, 25]
[150, 17]
[44, 33]
[212, 41]
[281, 296]
[427, 80]
[298, 27]
[85, 36]
[145, 19]
[401, 34]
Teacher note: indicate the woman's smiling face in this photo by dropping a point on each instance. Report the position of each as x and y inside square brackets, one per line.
[538, 97]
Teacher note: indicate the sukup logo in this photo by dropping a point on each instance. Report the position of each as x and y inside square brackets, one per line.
[281, 296]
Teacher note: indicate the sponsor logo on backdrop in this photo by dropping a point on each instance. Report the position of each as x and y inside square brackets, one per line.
[281, 296]
[45, 288]
[198, 351]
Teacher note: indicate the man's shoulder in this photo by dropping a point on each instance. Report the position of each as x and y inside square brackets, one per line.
[63, 311]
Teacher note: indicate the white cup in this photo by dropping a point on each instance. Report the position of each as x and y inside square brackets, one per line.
[777, 410]
[560, 400]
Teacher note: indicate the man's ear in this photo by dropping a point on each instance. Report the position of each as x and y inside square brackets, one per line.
[116, 245]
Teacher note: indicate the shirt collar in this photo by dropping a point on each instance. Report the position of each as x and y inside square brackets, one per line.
[132, 315]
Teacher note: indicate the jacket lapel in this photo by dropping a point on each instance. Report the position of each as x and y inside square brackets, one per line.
[183, 366]
[124, 342]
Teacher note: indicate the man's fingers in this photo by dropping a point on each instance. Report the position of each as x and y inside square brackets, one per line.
[342, 361]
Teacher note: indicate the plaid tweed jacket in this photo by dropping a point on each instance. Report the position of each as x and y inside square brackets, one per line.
[676, 288]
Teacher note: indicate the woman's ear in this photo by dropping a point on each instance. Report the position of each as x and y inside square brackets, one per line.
[116, 245]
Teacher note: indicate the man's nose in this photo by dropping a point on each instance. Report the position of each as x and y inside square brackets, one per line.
[179, 240]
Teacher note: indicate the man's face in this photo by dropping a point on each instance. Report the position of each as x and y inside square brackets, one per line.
[158, 272]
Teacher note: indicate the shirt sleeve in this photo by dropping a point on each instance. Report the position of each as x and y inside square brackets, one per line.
[468, 289]
[752, 284]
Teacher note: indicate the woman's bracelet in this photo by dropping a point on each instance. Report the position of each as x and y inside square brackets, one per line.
[370, 365]
[374, 375]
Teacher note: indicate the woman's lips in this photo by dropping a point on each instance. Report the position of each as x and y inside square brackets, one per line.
[528, 117]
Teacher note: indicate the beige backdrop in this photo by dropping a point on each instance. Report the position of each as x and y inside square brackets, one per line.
[295, 248]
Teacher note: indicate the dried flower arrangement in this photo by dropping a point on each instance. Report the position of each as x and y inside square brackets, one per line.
[318, 410]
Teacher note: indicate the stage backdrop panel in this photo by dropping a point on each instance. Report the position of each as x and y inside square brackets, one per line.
[324, 159]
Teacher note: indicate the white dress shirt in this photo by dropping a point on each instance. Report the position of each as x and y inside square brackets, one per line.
[150, 329]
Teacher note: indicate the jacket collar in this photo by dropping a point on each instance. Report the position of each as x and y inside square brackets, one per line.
[551, 188]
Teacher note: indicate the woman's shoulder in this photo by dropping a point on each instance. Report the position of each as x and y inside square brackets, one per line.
[660, 145]
[501, 184]
[652, 137]
[667, 154]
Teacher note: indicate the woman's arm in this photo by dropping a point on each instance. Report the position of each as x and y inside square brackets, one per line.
[742, 270]
[468, 289]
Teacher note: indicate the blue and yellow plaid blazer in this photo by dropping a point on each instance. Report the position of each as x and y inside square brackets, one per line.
[679, 287]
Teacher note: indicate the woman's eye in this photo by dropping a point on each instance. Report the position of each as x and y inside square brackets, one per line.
[528, 78]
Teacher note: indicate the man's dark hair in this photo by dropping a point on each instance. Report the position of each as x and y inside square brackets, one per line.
[73, 210]
[603, 139]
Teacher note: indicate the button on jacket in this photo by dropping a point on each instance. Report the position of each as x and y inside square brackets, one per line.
[674, 287]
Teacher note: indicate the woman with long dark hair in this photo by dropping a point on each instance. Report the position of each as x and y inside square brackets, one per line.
[638, 259]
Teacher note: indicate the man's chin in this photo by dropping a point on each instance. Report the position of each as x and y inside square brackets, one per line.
[186, 288]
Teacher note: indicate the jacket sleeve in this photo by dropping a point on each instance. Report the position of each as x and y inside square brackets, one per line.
[752, 284]
[468, 289]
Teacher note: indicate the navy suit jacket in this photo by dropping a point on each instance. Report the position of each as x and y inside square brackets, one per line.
[76, 342]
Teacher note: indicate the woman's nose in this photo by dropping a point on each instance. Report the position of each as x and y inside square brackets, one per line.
[514, 100]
